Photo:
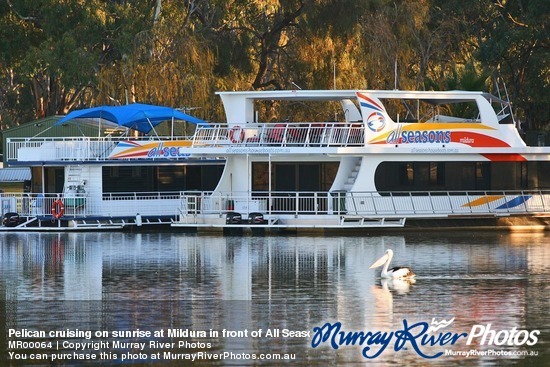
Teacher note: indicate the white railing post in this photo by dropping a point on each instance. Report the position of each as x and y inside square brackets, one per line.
[469, 201]
[412, 202]
[451, 205]
[352, 200]
[487, 201]
[392, 199]
[373, 203]
[431, 202]
[508, 207]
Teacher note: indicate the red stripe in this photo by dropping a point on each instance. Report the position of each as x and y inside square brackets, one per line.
[509, 157]
[369, 100]
[477, 140]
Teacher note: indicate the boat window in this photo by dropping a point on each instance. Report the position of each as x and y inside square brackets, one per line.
[113, 171]
[413, 111]
[406, 174]
[456, 176]
[161, 178]
[294, 176]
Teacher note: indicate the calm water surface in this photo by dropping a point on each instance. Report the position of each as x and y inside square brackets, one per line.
[152, 281]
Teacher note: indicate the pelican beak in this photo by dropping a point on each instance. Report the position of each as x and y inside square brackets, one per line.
[379, 262]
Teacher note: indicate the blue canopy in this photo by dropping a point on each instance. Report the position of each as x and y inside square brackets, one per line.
[137, 116]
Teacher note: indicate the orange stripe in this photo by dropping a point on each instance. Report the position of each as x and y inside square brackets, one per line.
[483, 200]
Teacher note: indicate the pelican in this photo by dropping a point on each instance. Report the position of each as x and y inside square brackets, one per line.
[398, 272]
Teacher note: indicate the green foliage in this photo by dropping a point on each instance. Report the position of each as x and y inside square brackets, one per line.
[59, 55]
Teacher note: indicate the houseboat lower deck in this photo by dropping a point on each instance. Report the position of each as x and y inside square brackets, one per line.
[281, 212]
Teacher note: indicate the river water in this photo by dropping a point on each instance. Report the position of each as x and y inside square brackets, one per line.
[491, 290]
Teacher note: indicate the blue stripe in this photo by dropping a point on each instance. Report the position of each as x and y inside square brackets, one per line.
[365, 104]
[515, 202]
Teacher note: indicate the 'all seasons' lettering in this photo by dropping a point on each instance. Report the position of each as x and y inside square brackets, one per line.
[410, 137]
[162, 151]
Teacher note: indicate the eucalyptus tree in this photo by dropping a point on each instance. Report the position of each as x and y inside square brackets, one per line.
[59, 55]
[511, 40]
[54, 53]
[254, 37]
[517, 44]
[50, 52]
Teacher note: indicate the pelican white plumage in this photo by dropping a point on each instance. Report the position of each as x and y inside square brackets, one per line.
[398, 272]
[398, 285]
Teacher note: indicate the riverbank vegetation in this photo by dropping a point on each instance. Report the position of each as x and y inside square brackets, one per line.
[56, 56]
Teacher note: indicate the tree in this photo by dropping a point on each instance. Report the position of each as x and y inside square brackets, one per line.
[261, 31]
[59, 55]
[511, 40]
[52, 61]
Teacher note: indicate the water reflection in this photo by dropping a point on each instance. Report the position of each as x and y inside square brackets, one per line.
[400, 286]
[212, 282]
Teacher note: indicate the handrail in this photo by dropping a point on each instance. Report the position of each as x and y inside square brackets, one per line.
[76, 205]
[374, 204]
[71, 148]
[220, 135]
[363, 204]
[319, 134]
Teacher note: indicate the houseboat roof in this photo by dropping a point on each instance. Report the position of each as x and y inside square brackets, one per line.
[17, 174]
[434, 97]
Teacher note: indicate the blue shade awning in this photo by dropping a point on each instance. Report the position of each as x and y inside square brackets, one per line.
[137, 116]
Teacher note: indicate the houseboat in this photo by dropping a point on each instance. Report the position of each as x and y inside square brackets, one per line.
[388, 159]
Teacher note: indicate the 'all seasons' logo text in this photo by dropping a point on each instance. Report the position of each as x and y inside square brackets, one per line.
[400, 136]
[162, 151]
[419, 337]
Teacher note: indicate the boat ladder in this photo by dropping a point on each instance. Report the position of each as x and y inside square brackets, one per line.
[361, 221]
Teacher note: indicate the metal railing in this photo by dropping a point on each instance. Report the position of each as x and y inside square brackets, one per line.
[321, 134]
[369, 204]
[60, 149]
[79, 149]
[364, 204]
[75, 206]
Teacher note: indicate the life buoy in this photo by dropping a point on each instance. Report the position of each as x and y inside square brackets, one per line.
[236, 134]
[58, 209]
